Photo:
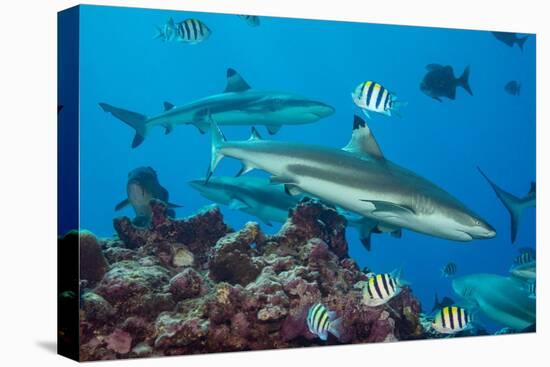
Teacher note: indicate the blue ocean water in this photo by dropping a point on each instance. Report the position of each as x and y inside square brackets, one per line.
[123, 65]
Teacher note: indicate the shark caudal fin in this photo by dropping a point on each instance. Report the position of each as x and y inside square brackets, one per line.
[217, 141]
[132, 119]
[464, 80]
[513, 204]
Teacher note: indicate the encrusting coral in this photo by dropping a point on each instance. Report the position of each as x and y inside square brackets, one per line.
[196, 286]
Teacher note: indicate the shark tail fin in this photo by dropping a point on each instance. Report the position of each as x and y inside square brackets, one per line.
[513, 204]
[133, 119]
[464, 81]
[217, 141]
[521, 42]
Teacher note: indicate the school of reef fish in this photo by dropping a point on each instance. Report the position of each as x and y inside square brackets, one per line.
[170, 286]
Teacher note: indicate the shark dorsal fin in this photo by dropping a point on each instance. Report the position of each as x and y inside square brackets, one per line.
[255, 135]
[168, 106]
[363, 141]
[235, 82]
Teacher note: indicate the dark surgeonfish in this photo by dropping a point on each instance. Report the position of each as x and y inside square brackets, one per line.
[510, 39]
[238, 104]
[142, 186]
[251, 20]
[191, 31]
[502, 299]
[513, 204]
[513, 87]
[440, 81]
[449, 270]
[445, 302]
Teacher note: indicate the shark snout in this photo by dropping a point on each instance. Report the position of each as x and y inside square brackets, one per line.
[197, 184]
[482, 230]
[322, 110]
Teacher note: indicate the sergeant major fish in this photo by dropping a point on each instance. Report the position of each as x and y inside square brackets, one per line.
[380, 288]
[449, 270]
[373, 97]
[191, 31]
[440, 81]
[321, 321]
[451, 320]
[142, 187]
[525, 265]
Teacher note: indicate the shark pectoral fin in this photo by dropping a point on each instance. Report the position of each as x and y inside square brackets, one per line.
[293, 190]
[237, 204]
[168, 128]
[363, 141]
[235, 82]
[245, 168]
[275, 180]
[168, 106]
[172, 205]
[202, 127]
[366, 228]
[273, 129]
[122, 204]
[381, 207]
[397, 233]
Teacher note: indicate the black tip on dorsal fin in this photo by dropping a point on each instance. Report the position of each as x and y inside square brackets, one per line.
[235, 82]
[358, 122]
[255, 135]
[231, 72]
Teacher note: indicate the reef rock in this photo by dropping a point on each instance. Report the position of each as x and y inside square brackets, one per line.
[92, 262]
[233, 259]
[198, 233]
[187, 284]
[193, 286]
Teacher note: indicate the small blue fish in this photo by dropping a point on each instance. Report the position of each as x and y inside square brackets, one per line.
[513, 87]
[321, 321]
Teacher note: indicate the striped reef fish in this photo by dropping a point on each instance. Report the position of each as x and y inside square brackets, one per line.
[531, 289]
[449, 270]
[251, 20]
[370, 96]
[525, 264]
[190, 31]
[321, 321]
[380, 288]
[451, 319]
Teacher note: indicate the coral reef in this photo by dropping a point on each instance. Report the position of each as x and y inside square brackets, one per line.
[196, 286]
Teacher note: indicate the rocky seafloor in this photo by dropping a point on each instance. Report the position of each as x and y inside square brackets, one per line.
[195, 285]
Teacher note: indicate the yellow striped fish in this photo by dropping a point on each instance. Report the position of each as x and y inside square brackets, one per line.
[321, 321]
[380, 288]
[371, 96]
[451, 319]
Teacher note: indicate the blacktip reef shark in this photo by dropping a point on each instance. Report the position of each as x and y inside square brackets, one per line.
[513, 204]
[359, 179]
[237, 105]
[502, 299]
[268, 202]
